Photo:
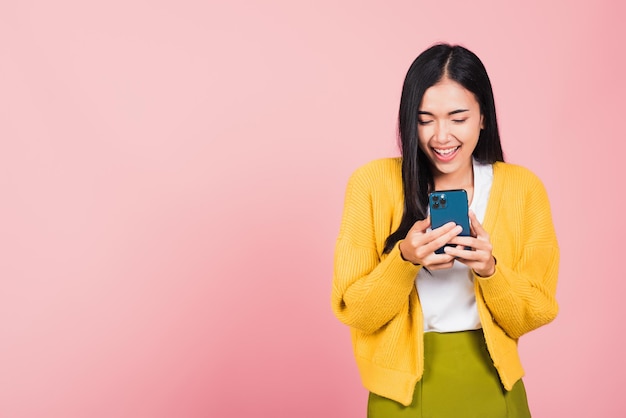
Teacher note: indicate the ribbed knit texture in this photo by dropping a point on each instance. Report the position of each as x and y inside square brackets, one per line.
[374, 293]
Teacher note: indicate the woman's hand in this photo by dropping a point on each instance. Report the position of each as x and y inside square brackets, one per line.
[419, 245]
[480, 258]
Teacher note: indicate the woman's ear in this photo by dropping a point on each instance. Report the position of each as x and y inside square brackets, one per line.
[482, 121]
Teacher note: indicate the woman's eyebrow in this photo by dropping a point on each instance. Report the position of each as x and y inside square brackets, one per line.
[454, 112]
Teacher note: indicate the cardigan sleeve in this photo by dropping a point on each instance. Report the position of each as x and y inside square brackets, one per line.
[369, 288]
[521, 294]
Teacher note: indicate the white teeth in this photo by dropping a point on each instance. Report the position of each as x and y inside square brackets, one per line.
[445, 151]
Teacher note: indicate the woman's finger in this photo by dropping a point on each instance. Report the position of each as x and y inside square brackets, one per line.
[478, 229]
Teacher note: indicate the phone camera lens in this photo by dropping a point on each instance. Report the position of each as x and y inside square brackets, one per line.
[443, 200]
[435, 198]
[436, 205]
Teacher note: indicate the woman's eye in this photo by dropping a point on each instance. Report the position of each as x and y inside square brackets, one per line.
[458, 120]
[424, 122]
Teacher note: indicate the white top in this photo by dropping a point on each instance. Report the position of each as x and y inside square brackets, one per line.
[447, 296]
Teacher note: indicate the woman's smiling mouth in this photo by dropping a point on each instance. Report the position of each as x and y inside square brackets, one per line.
[445, 154]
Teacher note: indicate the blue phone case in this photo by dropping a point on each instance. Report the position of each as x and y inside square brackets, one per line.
[449, 206]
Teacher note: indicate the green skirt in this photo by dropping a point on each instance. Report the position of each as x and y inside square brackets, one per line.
[459, 381]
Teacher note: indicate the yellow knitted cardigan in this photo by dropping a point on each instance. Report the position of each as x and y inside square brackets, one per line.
[375, 294]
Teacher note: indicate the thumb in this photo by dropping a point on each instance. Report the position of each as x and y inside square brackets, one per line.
[476, 226]
[422, 225]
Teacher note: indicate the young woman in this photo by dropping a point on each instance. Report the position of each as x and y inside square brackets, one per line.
[435, 335]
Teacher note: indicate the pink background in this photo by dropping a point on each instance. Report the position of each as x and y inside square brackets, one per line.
[172, 178]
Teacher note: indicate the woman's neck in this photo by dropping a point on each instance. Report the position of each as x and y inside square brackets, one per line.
[459, 180]
[462, 179]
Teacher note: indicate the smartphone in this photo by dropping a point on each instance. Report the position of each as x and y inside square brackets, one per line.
[449, 206]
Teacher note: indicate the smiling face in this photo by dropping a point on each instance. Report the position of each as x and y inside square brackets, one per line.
[449, 125]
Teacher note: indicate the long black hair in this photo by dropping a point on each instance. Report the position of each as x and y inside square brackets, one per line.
[437, 62]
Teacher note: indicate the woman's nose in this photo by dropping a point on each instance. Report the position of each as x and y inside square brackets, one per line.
[442, 133]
